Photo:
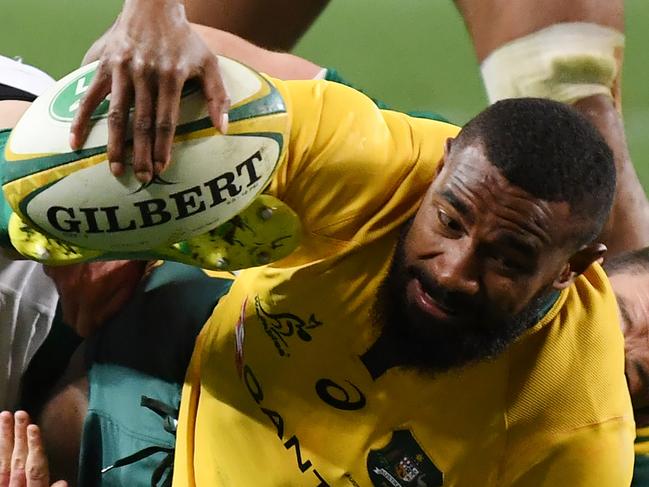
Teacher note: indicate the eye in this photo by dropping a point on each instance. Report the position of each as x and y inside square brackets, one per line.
[447, 221]
[509, 266]
[506, 262]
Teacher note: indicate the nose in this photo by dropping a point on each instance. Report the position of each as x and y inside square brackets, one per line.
[456, 271]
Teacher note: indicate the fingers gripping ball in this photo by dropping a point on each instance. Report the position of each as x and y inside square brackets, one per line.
[71, 209]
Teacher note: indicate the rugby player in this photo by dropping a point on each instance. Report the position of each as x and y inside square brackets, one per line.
[379, 342]
[432, 316]
[361, 244]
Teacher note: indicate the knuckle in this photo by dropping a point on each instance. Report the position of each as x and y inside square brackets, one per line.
[141, 67]
[103, 74]
[116, 53]
[36, 472]
[121, 60]
[142, 125]
[180, 72]
[116, 117]
[164, 126]
[111, 62]
[173, 72]
[219, 98]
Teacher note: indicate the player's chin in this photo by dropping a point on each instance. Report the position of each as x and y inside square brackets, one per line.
[422, 325]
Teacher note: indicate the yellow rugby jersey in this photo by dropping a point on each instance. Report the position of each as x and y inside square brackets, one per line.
[277, 393]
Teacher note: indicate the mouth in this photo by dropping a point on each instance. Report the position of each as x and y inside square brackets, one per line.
[426, 303]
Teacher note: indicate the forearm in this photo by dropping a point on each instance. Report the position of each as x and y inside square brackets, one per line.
[628, 225]
[274, 24]
[277, 64]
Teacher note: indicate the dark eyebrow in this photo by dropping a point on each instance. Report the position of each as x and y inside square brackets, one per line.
[455, 201]
[520, 245]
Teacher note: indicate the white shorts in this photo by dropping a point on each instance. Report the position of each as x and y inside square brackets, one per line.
[28, 297]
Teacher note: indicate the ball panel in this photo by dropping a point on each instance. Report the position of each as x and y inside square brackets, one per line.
[17, 190]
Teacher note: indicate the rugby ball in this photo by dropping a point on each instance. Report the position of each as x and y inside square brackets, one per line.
[72, 196]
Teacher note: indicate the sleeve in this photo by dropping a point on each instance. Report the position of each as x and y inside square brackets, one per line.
[600, 455]
[350, 165]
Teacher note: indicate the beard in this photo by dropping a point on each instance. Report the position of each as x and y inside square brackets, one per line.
[418, 340]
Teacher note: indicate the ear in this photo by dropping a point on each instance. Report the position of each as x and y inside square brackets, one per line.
[448, 145]
[578, 263]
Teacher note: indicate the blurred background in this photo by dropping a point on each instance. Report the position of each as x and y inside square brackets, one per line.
[413, 54]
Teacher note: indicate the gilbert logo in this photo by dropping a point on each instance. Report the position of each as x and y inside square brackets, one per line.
[145, 212]
[65, 104]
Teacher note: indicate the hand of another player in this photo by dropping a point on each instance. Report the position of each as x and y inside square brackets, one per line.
[146, 58]
[92, 293]
[23, 462]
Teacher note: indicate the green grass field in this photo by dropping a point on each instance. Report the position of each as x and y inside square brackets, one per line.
[414, 54]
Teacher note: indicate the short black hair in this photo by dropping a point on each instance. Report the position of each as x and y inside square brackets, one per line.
[634, 262]
[552, 152]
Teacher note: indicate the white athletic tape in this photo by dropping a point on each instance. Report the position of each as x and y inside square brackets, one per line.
[564, 62]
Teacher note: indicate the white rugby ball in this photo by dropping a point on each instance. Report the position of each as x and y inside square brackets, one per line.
[72, 195]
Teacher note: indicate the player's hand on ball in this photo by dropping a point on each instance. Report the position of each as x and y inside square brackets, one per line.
[146, 58]
[22, 459]
[92, 293]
